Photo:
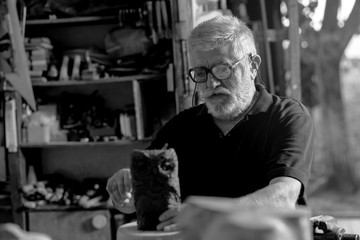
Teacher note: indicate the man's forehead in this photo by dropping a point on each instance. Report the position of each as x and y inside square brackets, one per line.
[211, 57]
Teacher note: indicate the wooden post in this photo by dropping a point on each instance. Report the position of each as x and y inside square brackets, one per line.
[268, 59]
[17, 166]
[295, 81]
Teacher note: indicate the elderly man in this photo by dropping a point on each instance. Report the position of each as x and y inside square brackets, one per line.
[241, 142]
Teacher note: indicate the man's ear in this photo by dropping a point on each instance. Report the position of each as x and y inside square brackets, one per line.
[255, 62]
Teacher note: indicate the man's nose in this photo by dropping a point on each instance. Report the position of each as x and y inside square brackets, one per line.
[212, 82]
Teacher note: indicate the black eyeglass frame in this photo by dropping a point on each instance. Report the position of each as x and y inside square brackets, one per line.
[210, 70]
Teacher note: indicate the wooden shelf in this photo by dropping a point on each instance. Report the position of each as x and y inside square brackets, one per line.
[5, 202]
[5, 207]
[72, 20]
[81, 144]
[142, 77]
[52, 208]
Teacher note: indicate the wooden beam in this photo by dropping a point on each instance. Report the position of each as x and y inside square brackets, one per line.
[20, 79]
[295, 81]
[268, 59]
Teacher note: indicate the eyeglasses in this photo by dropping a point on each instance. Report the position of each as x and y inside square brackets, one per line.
[220, 72]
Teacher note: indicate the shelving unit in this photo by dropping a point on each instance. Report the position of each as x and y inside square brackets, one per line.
[80, 160]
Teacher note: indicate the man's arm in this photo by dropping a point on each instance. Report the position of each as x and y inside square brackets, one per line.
[281, 192]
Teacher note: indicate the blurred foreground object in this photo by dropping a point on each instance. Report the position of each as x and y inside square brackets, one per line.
[213, 218]
[10, 231]
[130, 231]
[325, 227]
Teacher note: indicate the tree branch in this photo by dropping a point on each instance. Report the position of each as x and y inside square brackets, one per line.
[351, 26]
[330, 16]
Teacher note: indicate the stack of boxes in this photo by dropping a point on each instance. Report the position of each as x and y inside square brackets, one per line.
[39, 52]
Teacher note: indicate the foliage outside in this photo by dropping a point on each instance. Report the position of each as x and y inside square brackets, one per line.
[329, 89]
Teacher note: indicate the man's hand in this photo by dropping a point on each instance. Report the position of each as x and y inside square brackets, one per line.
[168, 219]
[119, 188]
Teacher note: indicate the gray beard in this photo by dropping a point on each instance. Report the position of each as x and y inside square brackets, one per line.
[228, 112]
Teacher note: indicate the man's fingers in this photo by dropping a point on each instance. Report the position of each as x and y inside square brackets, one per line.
[169, 225]
[168, 220]
[170, 213]
[127, 183]
[118, 186]
[116, 197]
[171, 228]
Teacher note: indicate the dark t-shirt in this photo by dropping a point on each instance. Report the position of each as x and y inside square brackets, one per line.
[274, 139]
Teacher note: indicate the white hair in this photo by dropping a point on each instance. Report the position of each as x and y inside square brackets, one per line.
[222, 30]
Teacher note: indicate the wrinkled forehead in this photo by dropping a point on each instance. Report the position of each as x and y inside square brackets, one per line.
[209, 56]
[210, 42]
